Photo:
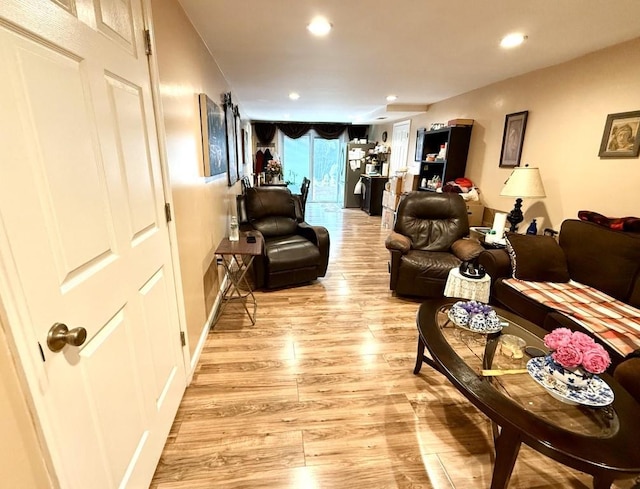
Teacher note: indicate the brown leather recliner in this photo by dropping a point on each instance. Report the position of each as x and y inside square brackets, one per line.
[427, 225]
[294, 251]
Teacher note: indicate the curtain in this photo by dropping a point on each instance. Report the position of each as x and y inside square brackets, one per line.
[329, 131]
[357, 132]
[294, 130]
[264, 131]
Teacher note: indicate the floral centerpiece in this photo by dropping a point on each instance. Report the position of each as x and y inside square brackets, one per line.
[274, 169]
[575, 357]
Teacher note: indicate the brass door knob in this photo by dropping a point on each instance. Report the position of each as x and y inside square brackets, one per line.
[60, 335]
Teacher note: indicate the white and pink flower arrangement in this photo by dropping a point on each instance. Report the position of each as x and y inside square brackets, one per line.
[573, 349]
[274, 168]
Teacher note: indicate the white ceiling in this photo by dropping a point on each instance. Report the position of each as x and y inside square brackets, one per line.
[423, 51]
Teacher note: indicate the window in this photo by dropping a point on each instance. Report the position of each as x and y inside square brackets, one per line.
[320, 160]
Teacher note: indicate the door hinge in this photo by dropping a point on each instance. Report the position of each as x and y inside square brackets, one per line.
[167, 211]
[147, 42]
[183, 340]
[41, 352]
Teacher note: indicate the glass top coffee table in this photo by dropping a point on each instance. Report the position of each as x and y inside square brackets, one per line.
[601, 441]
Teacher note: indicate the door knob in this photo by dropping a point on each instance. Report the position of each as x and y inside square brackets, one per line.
[59, 335]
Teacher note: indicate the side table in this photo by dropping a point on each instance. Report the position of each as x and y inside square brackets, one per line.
[237, 257]
[476, 289]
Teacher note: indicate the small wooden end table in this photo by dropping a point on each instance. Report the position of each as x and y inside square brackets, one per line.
[237, 257]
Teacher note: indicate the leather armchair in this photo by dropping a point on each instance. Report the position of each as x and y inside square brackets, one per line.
[294, 251]
[427, 226]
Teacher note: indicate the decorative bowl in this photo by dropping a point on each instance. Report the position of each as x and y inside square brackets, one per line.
[474, 316]
[575, 377]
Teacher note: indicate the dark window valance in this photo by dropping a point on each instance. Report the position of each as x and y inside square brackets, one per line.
[294, 130]
[357, 132]
[265, 131]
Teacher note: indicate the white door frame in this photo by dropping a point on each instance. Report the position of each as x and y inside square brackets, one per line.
[166, 181]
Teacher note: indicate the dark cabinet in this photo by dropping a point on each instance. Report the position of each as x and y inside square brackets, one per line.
[454, 163]
[372, 190]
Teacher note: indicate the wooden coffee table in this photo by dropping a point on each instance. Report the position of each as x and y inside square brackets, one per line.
[599, 441]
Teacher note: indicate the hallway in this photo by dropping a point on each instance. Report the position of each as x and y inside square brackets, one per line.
[320, 392]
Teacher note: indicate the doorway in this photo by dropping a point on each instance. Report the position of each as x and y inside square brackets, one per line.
[399, 146]
[318, 159]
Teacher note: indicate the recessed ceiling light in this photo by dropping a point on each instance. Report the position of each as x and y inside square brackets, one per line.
[319, 26]
[294, 96]
[512, 40]
[391, 98]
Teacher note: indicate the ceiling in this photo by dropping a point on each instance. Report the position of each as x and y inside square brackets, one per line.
[423, 51]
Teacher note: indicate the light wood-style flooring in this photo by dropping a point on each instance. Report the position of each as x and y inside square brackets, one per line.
[320, 393]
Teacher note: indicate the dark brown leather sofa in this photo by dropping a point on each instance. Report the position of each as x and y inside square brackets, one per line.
[422, 242]
[597, 256]
[294, 251]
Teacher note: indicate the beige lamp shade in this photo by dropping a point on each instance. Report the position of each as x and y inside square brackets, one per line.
[524, 182]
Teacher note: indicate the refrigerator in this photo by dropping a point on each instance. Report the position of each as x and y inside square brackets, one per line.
[354, 166]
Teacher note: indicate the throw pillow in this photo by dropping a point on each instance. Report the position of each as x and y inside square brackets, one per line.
[536, 258]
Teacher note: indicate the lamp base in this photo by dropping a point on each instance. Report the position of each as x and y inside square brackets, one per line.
[515, 217]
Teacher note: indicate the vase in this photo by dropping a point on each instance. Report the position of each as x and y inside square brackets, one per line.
[574, 377]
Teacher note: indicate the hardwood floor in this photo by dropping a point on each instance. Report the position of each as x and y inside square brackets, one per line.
[320, 393]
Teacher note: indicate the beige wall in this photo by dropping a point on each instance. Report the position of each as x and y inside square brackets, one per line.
[201, 205]
[21, 459]
[568, 106]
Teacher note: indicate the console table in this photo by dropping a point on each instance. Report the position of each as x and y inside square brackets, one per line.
[236, 258]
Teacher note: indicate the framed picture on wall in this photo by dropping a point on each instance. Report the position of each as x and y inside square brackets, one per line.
[239, 153]
[621, 137]
[513, 138]
[232, 160]
[214, 138]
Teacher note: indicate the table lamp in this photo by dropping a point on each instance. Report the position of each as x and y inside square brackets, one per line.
[524, 182]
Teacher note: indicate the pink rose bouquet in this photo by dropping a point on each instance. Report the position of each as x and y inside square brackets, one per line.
[274, 167]
[572, 349]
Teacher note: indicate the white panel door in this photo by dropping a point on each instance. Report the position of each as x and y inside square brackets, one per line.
[83, 237]
[399, 146]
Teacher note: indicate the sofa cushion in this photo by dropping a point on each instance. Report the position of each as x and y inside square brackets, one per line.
[286, 253]
[536, 258]
[603, 258]
[424, 273]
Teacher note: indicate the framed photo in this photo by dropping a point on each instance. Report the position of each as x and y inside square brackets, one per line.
[214, 139]
[232, 153]
[621, 137]
[239, 146]
[245, 138]
[513, 138]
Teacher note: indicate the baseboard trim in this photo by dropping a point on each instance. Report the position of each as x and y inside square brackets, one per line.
[195, 358]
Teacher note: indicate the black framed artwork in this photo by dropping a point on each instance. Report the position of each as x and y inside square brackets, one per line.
[513, 138]
[214, 138]
[232, 153]
[239, 146]
[621, 137]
